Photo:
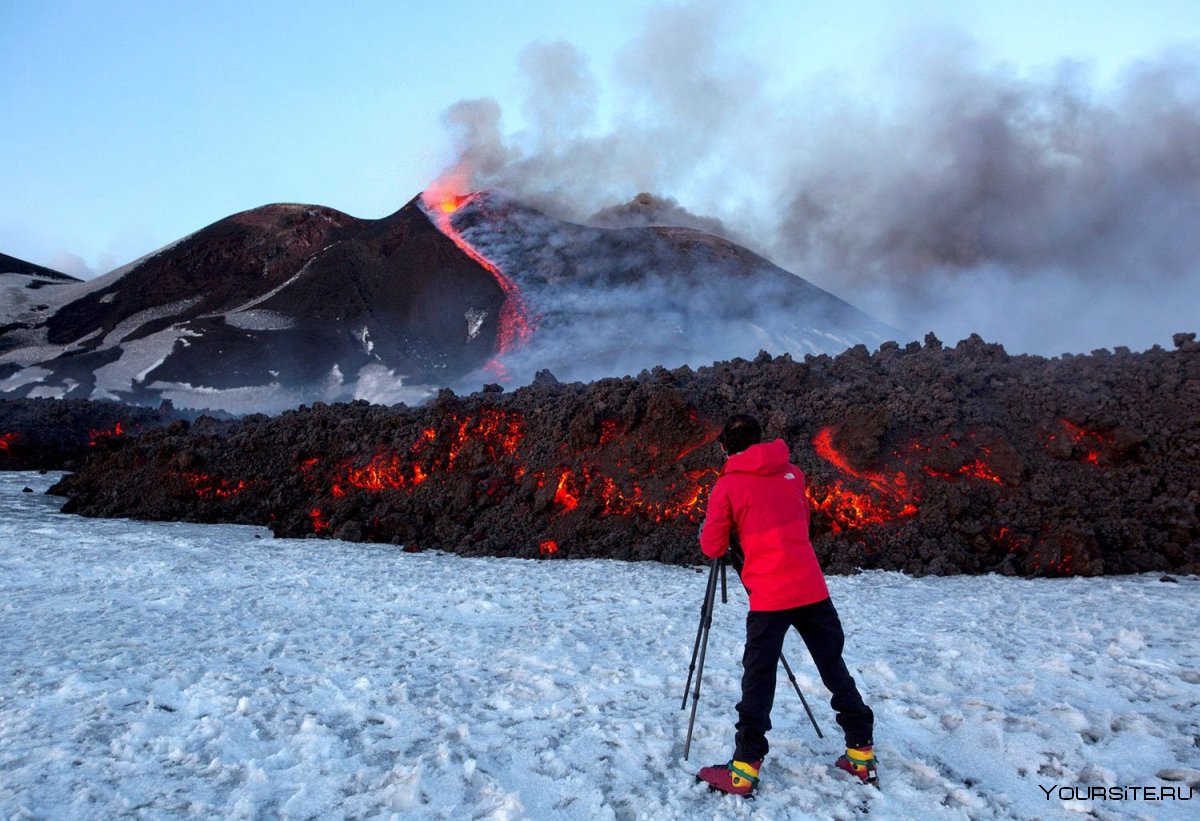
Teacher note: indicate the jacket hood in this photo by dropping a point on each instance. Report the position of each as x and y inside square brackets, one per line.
[764, 459]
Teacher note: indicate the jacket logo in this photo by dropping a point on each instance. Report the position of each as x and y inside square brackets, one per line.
[789, 476]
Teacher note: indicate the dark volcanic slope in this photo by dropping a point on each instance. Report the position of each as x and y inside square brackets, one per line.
[12, 265]
[295, 303]
[287, 295]
[613, 301]
[924, 459]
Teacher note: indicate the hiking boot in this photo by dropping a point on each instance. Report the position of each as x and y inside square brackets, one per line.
[735, 778]
[860, 763]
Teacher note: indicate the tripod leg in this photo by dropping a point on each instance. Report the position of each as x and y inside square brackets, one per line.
[704, 613]
[706, 624]
[804, 701]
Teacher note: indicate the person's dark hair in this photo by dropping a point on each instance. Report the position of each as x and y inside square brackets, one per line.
[739, 433]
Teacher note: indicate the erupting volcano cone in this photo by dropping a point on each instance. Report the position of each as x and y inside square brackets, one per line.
[288, 304]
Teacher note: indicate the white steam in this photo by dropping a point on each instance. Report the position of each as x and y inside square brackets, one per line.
[1042, 210]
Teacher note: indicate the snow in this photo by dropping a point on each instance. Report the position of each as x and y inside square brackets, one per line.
[259, 320]
[23, 377]
[177, 670]
[364, 338]
[135, 321]
[138, 358]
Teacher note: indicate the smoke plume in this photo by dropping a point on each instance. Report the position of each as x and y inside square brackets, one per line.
[1045, 210]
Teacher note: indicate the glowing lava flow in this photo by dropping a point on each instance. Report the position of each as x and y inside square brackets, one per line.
[7, 440]
[891, 496]
[208, 487]
[515, 325]
[1093, 444]
[849, 509]
[978, 469]
[96, 435]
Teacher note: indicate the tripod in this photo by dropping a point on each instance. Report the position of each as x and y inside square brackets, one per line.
[701, 647]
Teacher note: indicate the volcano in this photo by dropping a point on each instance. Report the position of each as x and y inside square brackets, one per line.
[287, 304]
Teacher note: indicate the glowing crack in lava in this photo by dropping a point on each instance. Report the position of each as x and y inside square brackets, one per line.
[515, 325]
[845, 508]
[209, 487]
[686, 500]
[891, 496]
[490, 441]
[1093, 444]
[320, 522]
[978, 469]
[6, 441]
[96, 435]
[492, 432]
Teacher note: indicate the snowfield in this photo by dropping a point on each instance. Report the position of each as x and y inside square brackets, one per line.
[153, 670]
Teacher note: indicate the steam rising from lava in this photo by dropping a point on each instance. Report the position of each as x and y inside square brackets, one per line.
[1048, 211]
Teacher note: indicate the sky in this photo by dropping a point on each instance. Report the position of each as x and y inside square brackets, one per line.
[815, 132]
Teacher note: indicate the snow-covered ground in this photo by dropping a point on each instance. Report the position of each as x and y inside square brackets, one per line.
[168, 670]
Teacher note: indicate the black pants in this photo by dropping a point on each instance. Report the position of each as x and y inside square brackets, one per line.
[819, 626]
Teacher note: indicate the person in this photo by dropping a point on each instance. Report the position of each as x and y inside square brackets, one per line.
[760, 502]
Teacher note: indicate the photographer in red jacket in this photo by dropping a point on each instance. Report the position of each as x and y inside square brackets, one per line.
[760, 500]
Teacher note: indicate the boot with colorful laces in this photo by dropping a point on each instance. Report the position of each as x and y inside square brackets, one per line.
[735, 778]
[860, 763]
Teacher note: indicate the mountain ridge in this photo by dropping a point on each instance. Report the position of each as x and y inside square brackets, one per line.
[290, 303]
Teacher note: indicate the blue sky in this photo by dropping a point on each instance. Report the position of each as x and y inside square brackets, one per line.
[131, 124]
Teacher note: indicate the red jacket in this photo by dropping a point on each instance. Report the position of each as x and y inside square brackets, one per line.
[760, 497]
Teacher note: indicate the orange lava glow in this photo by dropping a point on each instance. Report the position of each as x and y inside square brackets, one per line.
[608, 431]
[1092, 443]
[209, 487]
[491, 439]
[685, 498]
[319, 521]
[383, 472]
[96, 435]
[566, 496]
[500, 432]
[548, 547]
[442, 200]
[493, 432]
[879, 497]
[7, 440]
[889, 497]
[977, 469]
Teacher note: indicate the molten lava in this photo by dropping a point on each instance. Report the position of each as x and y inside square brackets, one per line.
[684, 495]
[208, 487]
[516, 325]
[96, 435]
[548, 547]
[492, 433]
[7, 440]
[1093, 445]
[566, 496]
[320, 521]
[887, 496]
[977, 468]
[489, 442]
[892, 498]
